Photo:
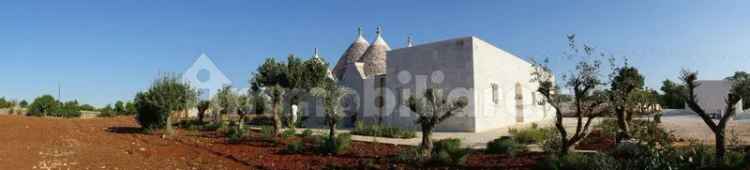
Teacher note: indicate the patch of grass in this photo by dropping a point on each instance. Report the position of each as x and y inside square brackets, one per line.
[306, 133]
[235, 134]
[530, 135]
[267, 133]
[363, 129]
[288, 133]
[449, 152]
[334, 145]
[504, 145]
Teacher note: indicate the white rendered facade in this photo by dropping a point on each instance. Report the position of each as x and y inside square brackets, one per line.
[497, 84]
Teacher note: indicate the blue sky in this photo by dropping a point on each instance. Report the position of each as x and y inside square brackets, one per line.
[103, 51]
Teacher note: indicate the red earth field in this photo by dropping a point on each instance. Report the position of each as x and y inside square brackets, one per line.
[116, 143]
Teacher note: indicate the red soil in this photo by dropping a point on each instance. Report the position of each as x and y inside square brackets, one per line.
[115, 143]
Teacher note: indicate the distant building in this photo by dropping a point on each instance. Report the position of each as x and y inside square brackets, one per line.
[712, 96]
[497, 83]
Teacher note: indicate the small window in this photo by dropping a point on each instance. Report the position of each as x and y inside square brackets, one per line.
[495, 93]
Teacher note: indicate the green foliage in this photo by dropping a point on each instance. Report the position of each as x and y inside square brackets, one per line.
[5, 103]
[742, 84]
[294, 74]
[334, 145]
[23, 104]
[295, 147]
[530, 135]
[225, 101]
[449, 152]
[107, 111]
[360, 128]
[214, 126]
[608, 127]
[673, 96]
[119, 107]
[68, 109]
[552, 143]
[409, 155]
[267, 133]
[42, 106]
[130, 108]
[504, 145]
[306, 133]
[578, 161]
[167, 95]
[236, 133]
[288, 133]
[88, 107]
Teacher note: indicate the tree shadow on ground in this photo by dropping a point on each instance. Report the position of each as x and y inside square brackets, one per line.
[125, 130]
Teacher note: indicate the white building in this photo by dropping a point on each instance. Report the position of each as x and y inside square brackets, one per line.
[712, 96]
[497, 83]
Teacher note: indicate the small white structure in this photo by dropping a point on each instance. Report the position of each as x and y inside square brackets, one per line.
[712, 96]
[497, 83]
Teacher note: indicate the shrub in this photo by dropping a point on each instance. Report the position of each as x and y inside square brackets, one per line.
[236, 133]
[267, 133]
[529, 135]
[608, 127]
[42, 106]
[191, 124]
[166, 95]
[306, 133]
[335, 145]
[288, 133]
[213, 126]
[295, 147]
[504, 145]
[552, 144]
[363, 129]
[449, 152]
[409, 155]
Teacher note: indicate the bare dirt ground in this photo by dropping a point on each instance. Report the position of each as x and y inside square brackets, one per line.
[49, 143]
[116, 143]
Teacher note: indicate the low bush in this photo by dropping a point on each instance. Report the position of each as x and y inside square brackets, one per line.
[409, 155]
[504, 145]
[213, 126]
[449, 152]
[191, 124]
[363, 129]
[530, 135]
[287, 133]
[236, 133]
[334, 145]
[267, 133]
[578, 161]
[306, 133]
[295, 147]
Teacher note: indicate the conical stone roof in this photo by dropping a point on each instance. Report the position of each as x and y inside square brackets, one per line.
[353, 54]
[375, 56]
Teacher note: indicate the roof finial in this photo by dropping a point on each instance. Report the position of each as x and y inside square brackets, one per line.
[315, 54]
[359, 30]
[380, 30]
[409, 41]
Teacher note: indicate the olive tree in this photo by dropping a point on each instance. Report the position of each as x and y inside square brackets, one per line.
[432, 108]
[42, 105]
[202, 107]
[165, 96]
[332, 94]
[689, 78]
[626, 82]
[587, 98]
[225, 102]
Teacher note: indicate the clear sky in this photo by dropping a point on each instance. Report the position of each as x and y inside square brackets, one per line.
[103, 51]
